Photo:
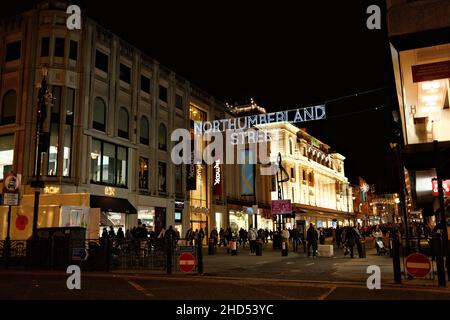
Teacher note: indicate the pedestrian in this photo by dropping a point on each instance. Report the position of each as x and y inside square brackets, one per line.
[252, 235]
[295, 239]
[311, 238]
[285, 235]
[222, 239]
[338, 236]
[120, 236]
[111, 233]
[350, 239]
[105, 233]
[214, 235]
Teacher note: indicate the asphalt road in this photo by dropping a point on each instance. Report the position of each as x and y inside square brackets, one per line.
[99, 286]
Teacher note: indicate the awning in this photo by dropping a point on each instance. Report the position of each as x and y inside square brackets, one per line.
[322, 212]
[112, 204]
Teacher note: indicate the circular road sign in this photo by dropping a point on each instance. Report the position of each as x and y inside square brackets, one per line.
[418, 265]
[186, 262]
[11, 182]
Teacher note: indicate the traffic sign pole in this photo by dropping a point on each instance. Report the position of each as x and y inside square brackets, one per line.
[8, 240]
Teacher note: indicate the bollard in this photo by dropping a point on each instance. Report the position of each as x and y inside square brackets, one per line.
[211, 247]
[362, 249]
[199, 257]
[396, 259]
[284, 249]
[234, 247]
[259, 247]
[169, 256]
[438, 252]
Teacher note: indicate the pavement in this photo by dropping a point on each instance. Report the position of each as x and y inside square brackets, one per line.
[242, 277]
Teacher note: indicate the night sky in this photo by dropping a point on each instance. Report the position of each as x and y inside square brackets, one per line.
[283, 55]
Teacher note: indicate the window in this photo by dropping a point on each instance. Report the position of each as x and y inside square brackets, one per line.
[311, 179]
[162, 137]
[68, 131]
[99, 121]
[13, 51]
[108, 163]
[144, 131]
[124, 124]
[179, 101]
[304, 175]
[162, 93]
[59, 47]
[291, 149]
[162, 187]
[143, 173]
[9, 107]
[54, 132]
[6, 154]
[45, 47]
[101, 61]
[73, 50]
[145, 84]
[125, 73]
[292, 173]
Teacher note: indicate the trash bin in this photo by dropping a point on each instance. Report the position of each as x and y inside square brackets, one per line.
[361, 248]
[259, 247]
[211, 247]
[234, 247]
[284, 248]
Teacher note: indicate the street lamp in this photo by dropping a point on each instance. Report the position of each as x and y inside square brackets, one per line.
[45, 99]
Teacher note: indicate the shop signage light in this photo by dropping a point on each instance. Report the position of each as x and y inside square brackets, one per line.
[51, 190]
[110, 191]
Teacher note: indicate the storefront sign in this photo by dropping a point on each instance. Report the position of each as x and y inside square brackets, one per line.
[247, 174]
[281, 207]
[445, 186]
[110, 191]
[431, 71]
[217, 176]
[51, 190]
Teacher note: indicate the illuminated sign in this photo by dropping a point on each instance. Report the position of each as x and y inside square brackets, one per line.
[217, 175]
[445, 186]
[110, 191]
[51, 190]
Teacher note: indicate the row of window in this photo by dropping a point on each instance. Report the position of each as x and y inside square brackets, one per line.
[102, 63]
[99, 123]
[13, 49]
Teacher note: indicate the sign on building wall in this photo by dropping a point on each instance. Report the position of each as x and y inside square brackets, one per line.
[247, 174]
[281, 206]
[217, 178]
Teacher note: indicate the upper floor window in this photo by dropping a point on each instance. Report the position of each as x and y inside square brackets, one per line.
[99, 119]
[179, 101]
[13, 51]
[291, 148]
[292, 173]
[9, 107]
[144, 131]
[162, 137]
[6, 154]
[125, 73]
[162, 93]
[143, 173]
[101, 61]
[45, 46]
[73, 50]
[145, 84]
[123, 123]
[59, 47]
[108, 163]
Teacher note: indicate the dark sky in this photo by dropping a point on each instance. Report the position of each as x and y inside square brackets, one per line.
[281, 54]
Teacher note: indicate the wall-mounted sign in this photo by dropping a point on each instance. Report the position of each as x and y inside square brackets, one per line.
[281, 206]
[11, 185]
[217, 176]
[110, 191]
[52, 190]
[179, 205]
[445, 186]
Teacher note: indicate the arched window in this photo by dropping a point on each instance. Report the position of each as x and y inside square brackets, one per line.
[99, 120]
[9, 107]
[162, 137]
[143, 132]
[124, 123]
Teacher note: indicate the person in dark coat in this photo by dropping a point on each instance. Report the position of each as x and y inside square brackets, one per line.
[351, 236]
[311, 238]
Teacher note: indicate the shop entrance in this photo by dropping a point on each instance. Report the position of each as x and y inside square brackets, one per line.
[200, 221]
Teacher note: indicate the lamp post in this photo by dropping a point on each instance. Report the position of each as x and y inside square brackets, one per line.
[44, 100]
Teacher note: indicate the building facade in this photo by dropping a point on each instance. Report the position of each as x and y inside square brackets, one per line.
[108, 159]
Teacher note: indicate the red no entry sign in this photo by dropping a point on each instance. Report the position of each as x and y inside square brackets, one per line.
[186, 262]
[418, 265]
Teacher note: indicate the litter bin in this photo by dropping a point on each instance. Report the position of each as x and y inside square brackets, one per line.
[234, 247]
[211, 247]
[284, 248]
[361, 245]
[259, 247]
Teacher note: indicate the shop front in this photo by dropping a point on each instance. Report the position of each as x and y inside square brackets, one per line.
[323, 217]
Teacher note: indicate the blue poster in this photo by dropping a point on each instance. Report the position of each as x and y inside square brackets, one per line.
[247, 174]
